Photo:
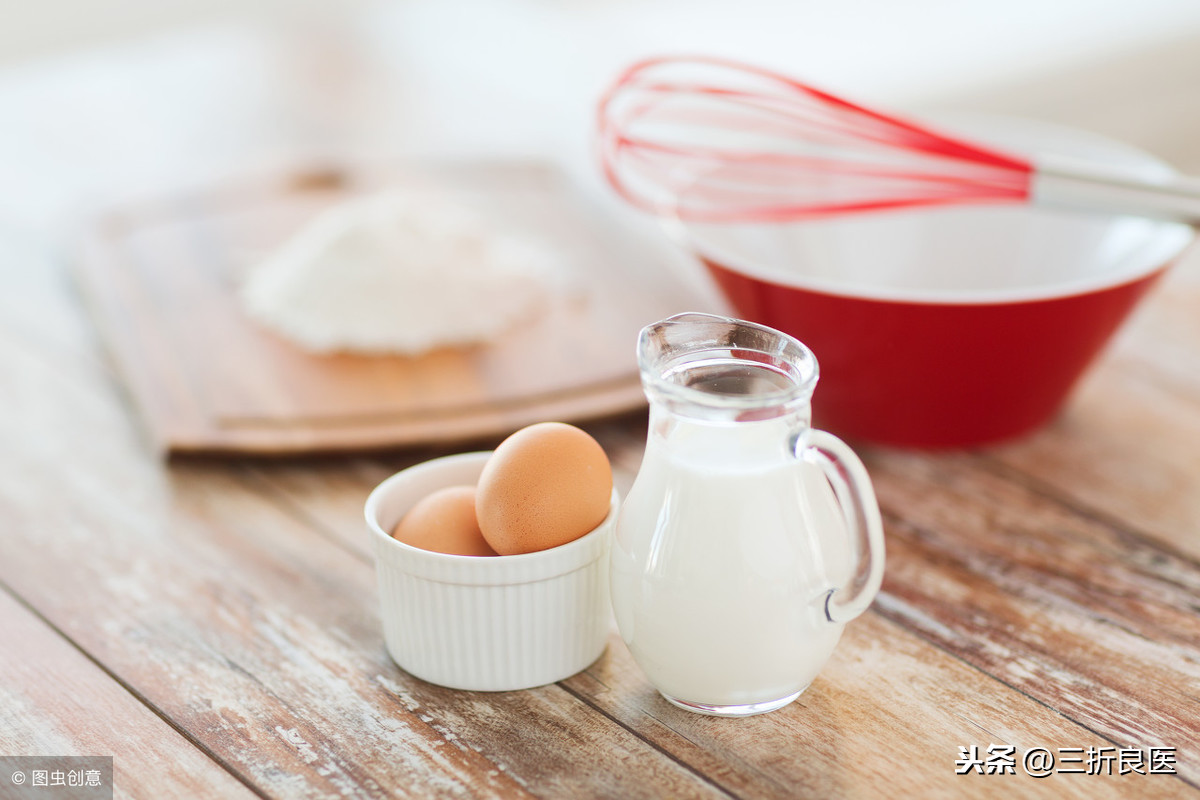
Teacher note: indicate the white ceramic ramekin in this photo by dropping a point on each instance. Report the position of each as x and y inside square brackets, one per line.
[486, 623]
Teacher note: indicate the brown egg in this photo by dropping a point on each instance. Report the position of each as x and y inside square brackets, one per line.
[545, 485]
[444, 522]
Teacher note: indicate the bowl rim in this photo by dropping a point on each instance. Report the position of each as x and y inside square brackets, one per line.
[987, 297]
[1163, 245]
[477, 570]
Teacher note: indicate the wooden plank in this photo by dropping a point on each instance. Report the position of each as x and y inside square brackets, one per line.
[162, 283]
[1126, 451]
[256, 634]
[886, 718]
[1128, 446]
[888, 710]
[217, 490]
[1090, 620]
[57, 702]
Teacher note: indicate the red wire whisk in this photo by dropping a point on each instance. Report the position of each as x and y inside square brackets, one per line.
[712, 140]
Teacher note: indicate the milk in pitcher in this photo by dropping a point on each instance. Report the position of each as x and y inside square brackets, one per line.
[748, 538]
[719, 600]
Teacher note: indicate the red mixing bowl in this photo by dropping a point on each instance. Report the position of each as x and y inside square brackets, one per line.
[948, 327]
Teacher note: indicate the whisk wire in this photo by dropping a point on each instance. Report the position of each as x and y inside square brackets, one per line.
[709, 139]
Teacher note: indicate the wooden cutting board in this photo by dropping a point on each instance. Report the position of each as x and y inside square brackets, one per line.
[162, 280]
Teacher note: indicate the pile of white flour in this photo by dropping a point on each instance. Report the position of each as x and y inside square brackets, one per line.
[397, 273]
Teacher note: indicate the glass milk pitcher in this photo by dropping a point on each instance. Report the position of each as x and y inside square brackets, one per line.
[748, 539]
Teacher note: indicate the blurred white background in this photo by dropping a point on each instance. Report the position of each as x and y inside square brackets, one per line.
[896, 45]
[110, 91]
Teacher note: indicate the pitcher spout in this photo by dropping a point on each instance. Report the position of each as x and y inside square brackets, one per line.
[714, 367]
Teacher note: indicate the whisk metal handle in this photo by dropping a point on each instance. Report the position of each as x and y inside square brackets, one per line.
[1067, 183]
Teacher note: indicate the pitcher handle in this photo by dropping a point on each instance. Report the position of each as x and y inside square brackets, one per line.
[852, 486]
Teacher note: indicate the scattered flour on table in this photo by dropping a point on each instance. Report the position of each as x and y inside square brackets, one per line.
[398, 273]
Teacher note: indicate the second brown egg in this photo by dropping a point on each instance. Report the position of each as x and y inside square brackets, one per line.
[444, 522]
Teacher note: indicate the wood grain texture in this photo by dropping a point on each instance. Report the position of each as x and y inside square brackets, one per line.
[258, 635]
[990, 638]
[1126, 445]
[220, 615]
[1086, 618]
[57, 702]
[886, 718]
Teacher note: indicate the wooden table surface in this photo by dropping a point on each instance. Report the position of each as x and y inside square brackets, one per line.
[213, 624]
